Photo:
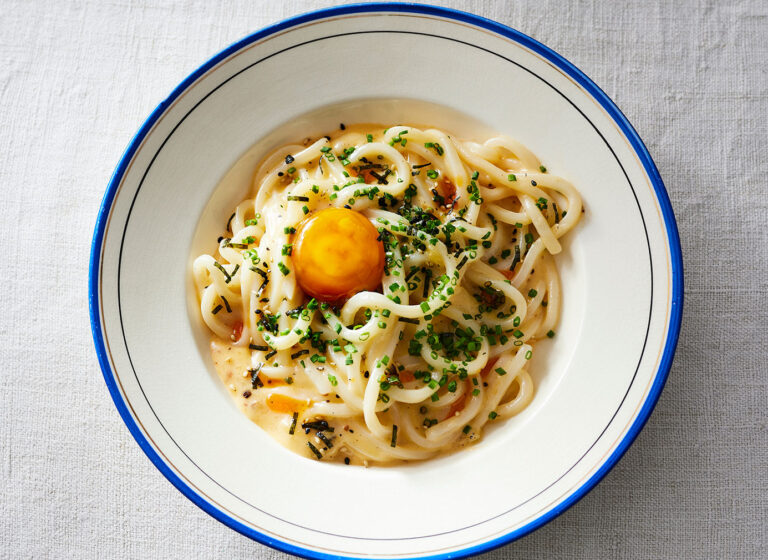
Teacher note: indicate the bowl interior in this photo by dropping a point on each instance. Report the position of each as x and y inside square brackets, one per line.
[194, 164]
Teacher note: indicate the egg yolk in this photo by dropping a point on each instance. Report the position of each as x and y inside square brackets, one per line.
[285, 404]
[336, 253]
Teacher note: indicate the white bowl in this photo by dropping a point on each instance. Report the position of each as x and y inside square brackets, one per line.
[621, 271]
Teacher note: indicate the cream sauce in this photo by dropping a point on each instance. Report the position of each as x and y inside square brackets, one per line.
[233, 365]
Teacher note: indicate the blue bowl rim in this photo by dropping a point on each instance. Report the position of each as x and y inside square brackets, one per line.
[608, 105]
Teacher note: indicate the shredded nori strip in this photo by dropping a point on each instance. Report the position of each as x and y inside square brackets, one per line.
[224, 271]
[238, 245]
[557, 214]
[261, 347]
[216, 309]
[270, 354]
[382, 179]
[256, 381]
[299, 353]
[259, 272]
[422, 165]
[226, 304]
[516, 259]
[322, 437]
[261, 288]
[229, 221]
[414, 270]
[298, 198]
[293, 424]
[427, 278]
[462, 262]
[319, 425]
[314, 450]
[408, 320]
[370, 165]
[394, 436]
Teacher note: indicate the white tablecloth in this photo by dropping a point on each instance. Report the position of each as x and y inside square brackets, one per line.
[78, 78]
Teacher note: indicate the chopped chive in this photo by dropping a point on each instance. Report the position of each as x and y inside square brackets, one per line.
[528, 355]
[492, 415]
[284, 269]
[501, 371]
[466, 429]
[542, 169]
[550, 334]
[532, 293]
[511, 177]
[305, 209]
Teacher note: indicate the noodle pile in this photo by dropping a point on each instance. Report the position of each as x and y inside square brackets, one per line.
[420, 365]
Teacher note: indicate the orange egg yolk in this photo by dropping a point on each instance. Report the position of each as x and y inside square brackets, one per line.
[336, 253]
